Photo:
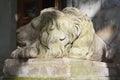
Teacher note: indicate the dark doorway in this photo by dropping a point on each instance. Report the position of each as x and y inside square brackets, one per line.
[48, 3]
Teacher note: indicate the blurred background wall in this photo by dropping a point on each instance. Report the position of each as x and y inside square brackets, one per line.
[102, 12]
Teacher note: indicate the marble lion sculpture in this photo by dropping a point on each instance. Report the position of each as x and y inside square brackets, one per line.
[57, 34]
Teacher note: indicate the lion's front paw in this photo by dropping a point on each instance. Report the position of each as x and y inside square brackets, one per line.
[16, 53]
[25, 53]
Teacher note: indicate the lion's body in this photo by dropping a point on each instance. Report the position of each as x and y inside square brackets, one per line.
[67, 33]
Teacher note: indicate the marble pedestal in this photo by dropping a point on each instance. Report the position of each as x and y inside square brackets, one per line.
[58, 69]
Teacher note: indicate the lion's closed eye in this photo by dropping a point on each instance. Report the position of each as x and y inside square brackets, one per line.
[52, 28]
[62, 37]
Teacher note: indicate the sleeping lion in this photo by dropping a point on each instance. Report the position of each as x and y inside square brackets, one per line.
[57, 34]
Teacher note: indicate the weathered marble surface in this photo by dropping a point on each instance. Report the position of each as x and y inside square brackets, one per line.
[59, 69]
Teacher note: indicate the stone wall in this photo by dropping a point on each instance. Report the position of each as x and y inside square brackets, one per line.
[8, 9]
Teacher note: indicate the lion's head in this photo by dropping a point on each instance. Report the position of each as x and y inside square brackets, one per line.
[56, 32]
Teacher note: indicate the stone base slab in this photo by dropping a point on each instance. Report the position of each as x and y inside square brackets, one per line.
[59, 69]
